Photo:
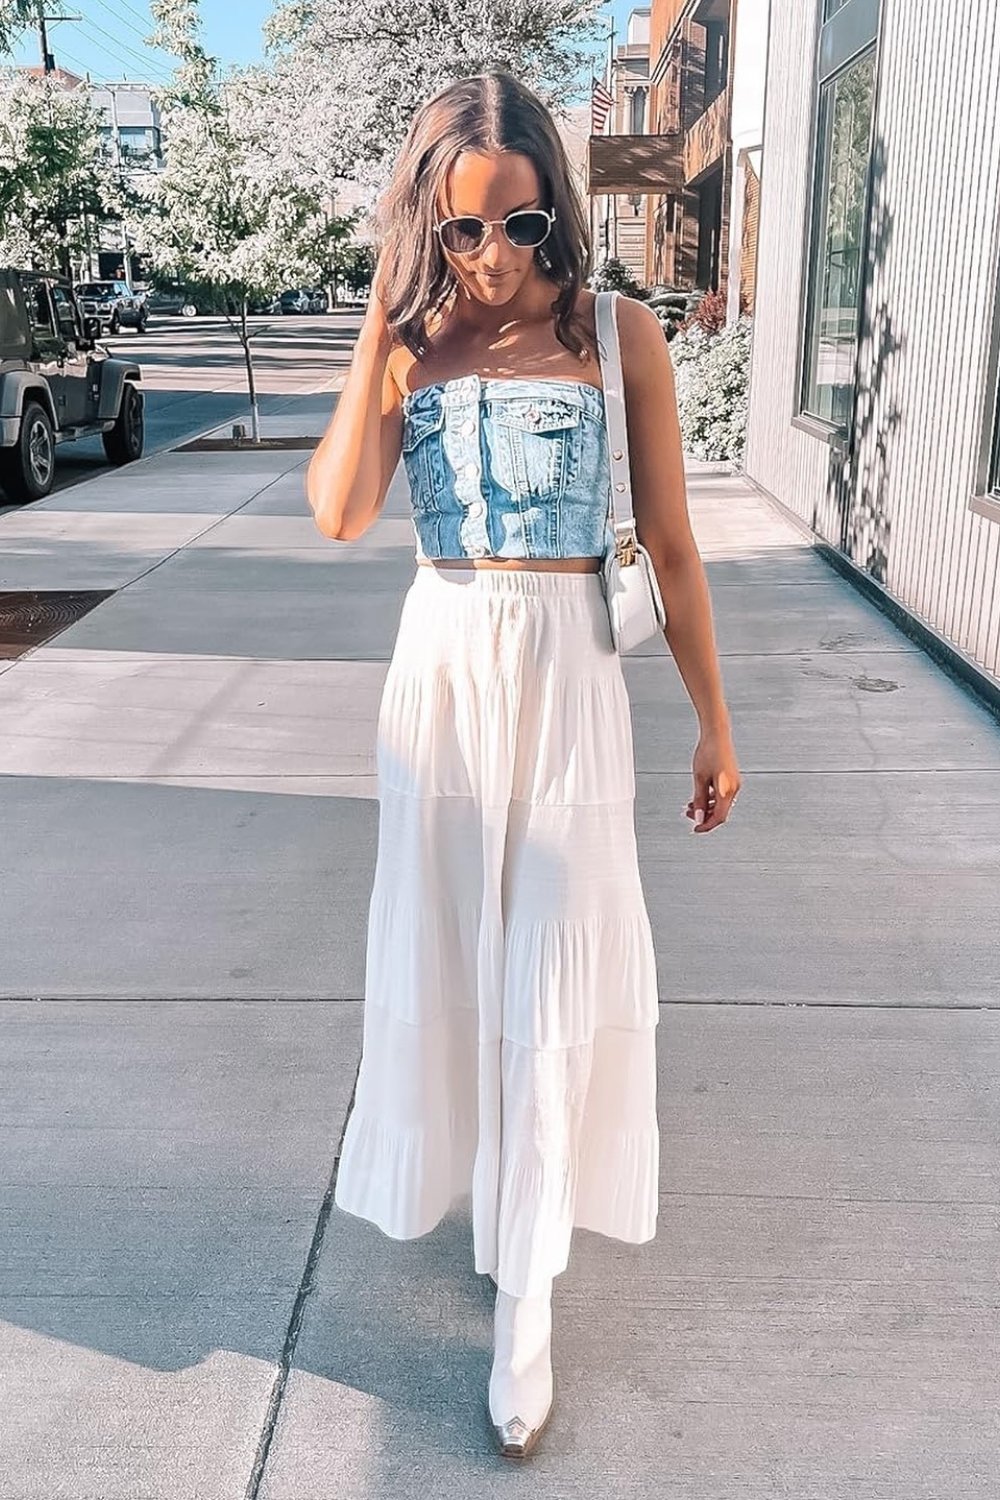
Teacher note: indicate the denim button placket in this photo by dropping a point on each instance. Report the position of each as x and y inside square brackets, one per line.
[462, 443]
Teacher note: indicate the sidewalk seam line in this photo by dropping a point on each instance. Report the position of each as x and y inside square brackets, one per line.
[944, 1006]
[296, 1319]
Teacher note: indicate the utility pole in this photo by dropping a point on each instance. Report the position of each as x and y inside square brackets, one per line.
[48, 61]
[126, 262]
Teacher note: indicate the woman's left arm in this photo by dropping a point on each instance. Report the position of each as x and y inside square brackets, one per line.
[663, 526]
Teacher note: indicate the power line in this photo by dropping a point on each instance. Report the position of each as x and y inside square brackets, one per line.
[86, 67]
[142, 35]
[118, 48]
[150, 66]
[146, 20]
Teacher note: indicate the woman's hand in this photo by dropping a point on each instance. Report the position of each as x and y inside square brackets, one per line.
[716, 780]
[375, 317]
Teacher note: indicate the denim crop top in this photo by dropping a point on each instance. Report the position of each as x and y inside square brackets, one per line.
[507, 468]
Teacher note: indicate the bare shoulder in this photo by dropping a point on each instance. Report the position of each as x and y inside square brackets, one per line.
[399, 361]
[402, 361]
[646, 362]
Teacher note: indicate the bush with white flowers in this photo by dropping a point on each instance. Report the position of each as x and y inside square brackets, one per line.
[712, 374]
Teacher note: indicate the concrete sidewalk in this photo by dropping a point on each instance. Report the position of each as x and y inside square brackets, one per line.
[186, 785]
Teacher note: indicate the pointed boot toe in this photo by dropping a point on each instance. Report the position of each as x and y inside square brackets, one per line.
[515, 1439]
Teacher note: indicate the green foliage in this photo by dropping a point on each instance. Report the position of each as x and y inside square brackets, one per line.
[356, 266]
[614, 276]
[712, 373]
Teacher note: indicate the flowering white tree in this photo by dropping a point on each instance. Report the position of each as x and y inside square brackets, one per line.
[344, 81]
[51, 177]
[223, 210]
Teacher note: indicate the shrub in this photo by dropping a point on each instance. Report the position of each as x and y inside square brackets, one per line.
[670, 306]
[709, 313]
[613, 275]
[712, 373]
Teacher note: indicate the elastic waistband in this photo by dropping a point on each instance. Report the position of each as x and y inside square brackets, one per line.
[502, 581]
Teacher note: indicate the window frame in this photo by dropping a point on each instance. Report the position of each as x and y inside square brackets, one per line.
[851, 32]
[59, 297]
[44, 334]
[985, 498]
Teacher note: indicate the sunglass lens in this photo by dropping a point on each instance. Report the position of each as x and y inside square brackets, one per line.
[527, 228]
[461, 235]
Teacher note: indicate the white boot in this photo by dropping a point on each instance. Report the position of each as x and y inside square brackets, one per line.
[521, 1385]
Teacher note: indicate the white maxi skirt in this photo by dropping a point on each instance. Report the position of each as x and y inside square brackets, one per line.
[508, 1045]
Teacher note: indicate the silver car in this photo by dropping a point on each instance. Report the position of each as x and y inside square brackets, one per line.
[114, 303]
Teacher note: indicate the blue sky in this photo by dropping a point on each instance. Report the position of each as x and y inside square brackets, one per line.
[109, 40]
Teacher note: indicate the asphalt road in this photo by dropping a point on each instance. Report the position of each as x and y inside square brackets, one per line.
[194, 377]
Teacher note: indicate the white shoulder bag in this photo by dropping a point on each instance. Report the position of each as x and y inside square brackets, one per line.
[635, 604]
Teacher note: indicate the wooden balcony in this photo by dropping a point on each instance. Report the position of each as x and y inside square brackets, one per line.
[705, 143]
[634, 164]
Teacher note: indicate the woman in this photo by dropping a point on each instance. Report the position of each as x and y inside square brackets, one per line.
[510, 993]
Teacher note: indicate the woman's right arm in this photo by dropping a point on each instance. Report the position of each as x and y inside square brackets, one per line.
[350, 471]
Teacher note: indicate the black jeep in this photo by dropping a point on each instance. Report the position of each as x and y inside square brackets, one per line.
[57, 383]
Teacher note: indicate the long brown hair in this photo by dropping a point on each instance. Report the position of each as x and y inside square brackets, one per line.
[486, 112]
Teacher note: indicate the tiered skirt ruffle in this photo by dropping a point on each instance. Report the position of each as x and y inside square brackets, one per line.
[508, 1046]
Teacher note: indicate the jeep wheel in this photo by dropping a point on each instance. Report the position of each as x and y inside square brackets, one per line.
[28, 469]
[123, 444]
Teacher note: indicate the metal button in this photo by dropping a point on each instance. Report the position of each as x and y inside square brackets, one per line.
[476, 508]
[468, 427]
[619, 486]
[478, 550]
[618, 454]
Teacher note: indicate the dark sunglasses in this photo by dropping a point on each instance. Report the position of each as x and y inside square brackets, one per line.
[526, 228]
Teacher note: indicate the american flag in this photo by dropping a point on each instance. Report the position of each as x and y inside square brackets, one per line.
[601, 102]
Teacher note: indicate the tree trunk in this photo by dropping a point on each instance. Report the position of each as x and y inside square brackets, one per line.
[251, 383]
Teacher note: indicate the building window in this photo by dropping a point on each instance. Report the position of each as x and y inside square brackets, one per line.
[716, 59]
[138, 141]
[835, 284]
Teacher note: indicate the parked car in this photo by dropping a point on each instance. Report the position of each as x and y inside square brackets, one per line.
[114, 303]
[305, 299]
[57, 383]
[296, 300]
[176, 302]
[259, 305]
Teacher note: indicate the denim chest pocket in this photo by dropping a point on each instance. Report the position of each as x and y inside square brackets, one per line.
[536, 446]
[423, 456]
